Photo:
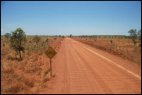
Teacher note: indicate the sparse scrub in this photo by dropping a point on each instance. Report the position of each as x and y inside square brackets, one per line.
[36, 39]
[27, 73]
[120, 45]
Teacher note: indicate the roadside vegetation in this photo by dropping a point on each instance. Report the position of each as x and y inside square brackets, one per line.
[127, 47]
[24, 64]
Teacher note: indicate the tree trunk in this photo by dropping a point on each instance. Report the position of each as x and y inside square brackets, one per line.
[20, 55]
[50, 67]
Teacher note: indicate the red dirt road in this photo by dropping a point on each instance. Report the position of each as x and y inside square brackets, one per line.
[80, 68]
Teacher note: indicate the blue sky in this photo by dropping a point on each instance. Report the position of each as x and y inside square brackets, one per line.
[71, 17]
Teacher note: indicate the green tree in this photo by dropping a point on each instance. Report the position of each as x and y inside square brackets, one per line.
[133, 35]
[50, 52]
[17, 41]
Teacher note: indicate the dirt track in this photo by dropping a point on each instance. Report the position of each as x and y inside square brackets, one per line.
[80, 68]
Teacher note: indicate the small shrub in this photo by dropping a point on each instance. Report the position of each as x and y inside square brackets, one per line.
[29, 82]
[8, 70]
[36, 39]
[46, 79]
[9, 57]
[111, 41]
[46, 72]
[14, 88]
[3, 44]
[55, 38]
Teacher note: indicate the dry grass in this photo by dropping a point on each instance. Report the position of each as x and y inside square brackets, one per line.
[119, 46]
[29, 75]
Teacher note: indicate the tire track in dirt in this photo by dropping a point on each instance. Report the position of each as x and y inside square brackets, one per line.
[99, 80]
[112, 70]
[79, 81]
[66, 71]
